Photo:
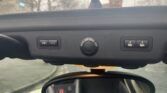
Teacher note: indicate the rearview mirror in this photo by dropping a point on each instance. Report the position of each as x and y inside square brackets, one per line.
[108, 82]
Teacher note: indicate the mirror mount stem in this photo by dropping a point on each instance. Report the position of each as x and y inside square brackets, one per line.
[98, 71]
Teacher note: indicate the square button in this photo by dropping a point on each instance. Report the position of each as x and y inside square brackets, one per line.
[130, 43]
[53, 43]
[142, 43]
[43, 43]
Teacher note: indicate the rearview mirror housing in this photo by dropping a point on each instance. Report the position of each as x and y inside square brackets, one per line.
[109, 82]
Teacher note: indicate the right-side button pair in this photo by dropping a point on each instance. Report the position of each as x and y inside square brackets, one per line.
[136, 43]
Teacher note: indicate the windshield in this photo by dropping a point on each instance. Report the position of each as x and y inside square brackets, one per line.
[28, 76]
[20, 6]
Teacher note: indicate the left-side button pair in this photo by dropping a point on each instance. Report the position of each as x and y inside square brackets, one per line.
[48, 43]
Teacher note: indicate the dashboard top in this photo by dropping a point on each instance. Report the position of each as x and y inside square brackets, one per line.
[121, 18]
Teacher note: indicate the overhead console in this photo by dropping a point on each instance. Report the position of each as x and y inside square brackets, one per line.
[122, 36]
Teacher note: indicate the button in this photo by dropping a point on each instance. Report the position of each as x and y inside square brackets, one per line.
[142, 44]
[49, 43]
[53, 43]
[43, 42]
[130, 43]
[89, 46]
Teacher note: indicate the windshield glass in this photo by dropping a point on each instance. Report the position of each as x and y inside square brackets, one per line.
[28, 76]
[20, 6]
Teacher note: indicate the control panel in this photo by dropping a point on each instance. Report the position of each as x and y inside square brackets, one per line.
[48, 42]
[122, 37]
[104, 47]
[136, 43]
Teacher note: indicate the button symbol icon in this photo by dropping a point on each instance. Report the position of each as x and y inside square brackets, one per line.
[142, 44]
[43, 42]
[53, 42]
[129, 43]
